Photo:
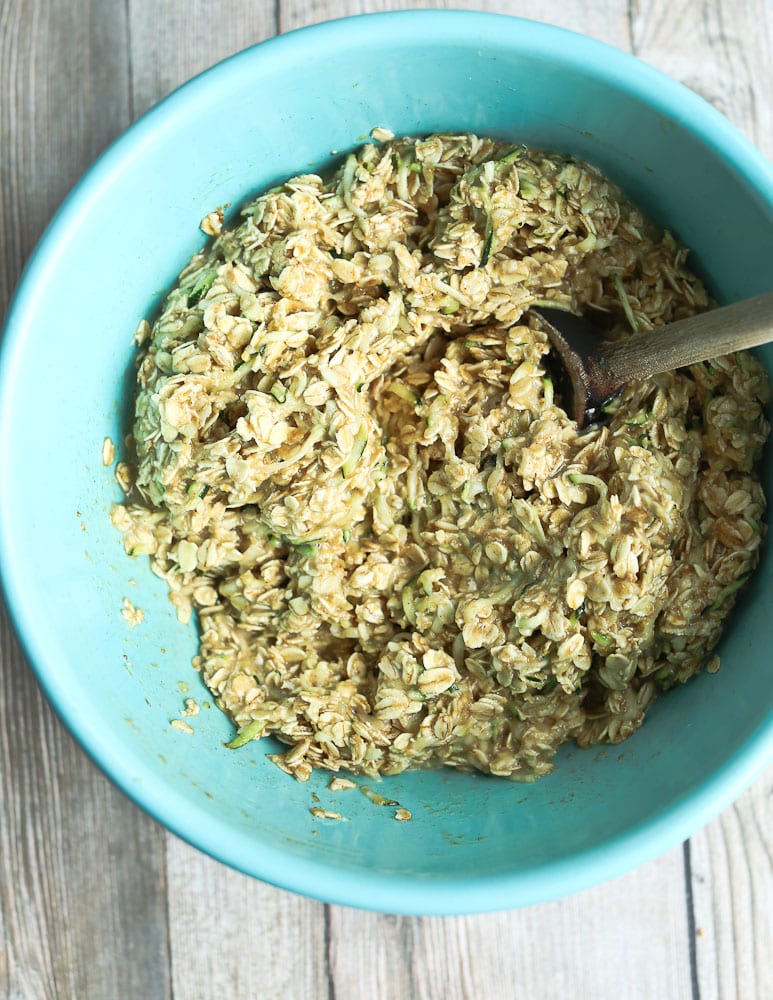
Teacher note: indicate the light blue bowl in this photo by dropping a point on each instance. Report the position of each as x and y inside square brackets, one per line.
[474, 843]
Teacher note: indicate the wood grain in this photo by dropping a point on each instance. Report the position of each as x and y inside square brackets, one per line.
[234, 937]
[720, 49]
[552, 951]
[95, 900]
[171, 41]
[351, 954]
[732, 889]
[82, 875]
[63, 81]
[604, 19]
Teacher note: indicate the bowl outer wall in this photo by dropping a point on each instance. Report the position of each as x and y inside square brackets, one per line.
[474, 844]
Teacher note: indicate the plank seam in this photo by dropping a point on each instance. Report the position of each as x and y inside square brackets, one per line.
[631, 18]
[167, 911]
[331, 988]
[691, 930]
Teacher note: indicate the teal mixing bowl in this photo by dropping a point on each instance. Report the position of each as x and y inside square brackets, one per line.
[474, 843]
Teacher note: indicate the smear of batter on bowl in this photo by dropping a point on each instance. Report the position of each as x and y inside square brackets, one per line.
[352, 464]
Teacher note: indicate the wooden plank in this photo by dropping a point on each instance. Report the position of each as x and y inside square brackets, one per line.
[79, 864]
[260, 934]
[719, 48]
[171, 41]
[63, 76]
[598, 943]
[229, 935]
[732, 891]
[603, 19]
[234, 937]
[82, 881]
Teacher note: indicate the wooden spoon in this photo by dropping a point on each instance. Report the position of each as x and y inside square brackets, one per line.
[592, 370]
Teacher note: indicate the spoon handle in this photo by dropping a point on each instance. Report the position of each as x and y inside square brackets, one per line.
[688, 341]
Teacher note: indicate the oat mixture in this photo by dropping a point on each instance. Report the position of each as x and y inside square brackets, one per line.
[351, 463]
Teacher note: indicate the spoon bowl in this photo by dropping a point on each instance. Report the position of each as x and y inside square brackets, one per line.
[590, 370]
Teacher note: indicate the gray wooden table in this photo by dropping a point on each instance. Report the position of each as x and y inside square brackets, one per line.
[96, 900]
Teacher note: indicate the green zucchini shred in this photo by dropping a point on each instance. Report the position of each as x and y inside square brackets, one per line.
[611, 406]
[407, 600]
[488, 240]
[528, 188]
[508, 159]
[404, 392]
[731, 588]
[252, 731]
[360, 443]
[201, 286]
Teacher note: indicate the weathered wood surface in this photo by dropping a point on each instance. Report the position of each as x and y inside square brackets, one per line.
[96, 901]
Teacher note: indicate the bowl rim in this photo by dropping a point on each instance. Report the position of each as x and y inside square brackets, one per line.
[468, 892]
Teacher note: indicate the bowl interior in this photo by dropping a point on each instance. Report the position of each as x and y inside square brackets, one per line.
[285, 107]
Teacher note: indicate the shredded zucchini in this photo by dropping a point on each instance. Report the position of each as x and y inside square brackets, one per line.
[404, 392]
[252, 731]
[360, 443]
